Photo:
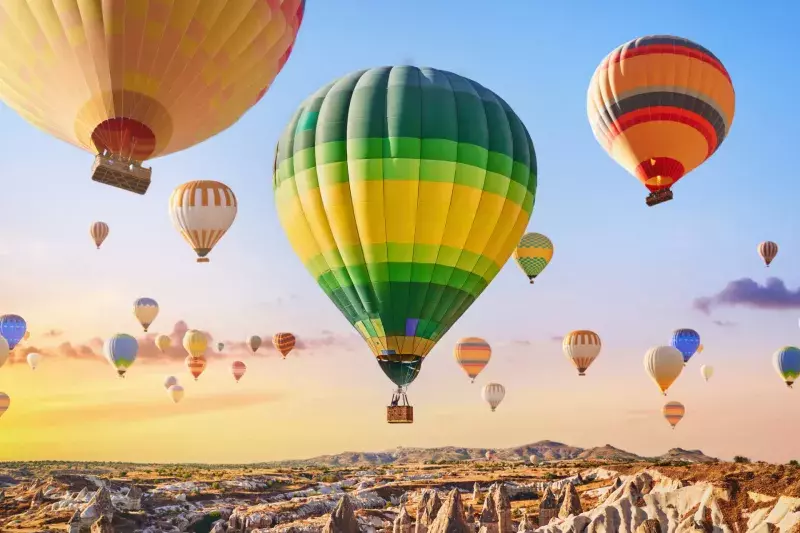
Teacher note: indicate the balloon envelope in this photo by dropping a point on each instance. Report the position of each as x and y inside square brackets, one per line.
[98, 232]
[195, 342]
[4, 351]
[533, 254]
[493, 394]
[673, 412]
[121, 350]
[254, 341]
[176, 393]
[202, 211]
[663, 364]
[473, 354]
[687, 341]
[707, 371]
[238, 369]
[163, 342]
[767, 250]
[787, 364]
[33, 359]
[284, 343]
[145, 310]
[5, 402]
[196, 365]
[169, 381]
[13, 329]
[581, 348]
[405, 228]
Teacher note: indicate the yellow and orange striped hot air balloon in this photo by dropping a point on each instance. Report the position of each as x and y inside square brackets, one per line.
[196, 365]
[581, 347]
[99, 232]
[473, 354]
[673, 412]
[284, 343]
[202, 211]
[135, 80]
[660, 106]
[238, 369]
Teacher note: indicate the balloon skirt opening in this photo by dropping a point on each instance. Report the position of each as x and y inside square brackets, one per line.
[203, 260]
[400, 414]
[658, 197]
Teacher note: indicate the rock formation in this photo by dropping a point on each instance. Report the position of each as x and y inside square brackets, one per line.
[489, 519]
[37, 500]
[525, 525]
[450, 518]
[342, 519]
[134, 498]
[402, 524]
[102, 501]
[571, 504]
[502, 504]
[651, 525]
[548, 508]
[102, 525]
[74, 524]
[476, 492]
[427, 513]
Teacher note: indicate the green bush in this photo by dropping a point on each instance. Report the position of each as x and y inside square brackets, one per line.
[794, 462]
[741, 459]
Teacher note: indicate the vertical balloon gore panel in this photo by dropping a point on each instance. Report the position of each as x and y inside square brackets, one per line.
[400, 414]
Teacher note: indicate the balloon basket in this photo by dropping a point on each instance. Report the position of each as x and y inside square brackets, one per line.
[122, 174]
[659, 197]
[400, 414]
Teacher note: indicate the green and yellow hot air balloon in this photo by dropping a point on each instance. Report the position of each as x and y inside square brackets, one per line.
[404, 190]
[533, 253]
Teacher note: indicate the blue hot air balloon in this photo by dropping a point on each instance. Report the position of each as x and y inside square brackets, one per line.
[686, 341]
[121, 350]
[12, 328]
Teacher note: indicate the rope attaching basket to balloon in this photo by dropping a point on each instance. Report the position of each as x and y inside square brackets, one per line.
[400, 412]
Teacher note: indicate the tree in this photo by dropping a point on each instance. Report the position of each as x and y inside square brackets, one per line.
[741, 459]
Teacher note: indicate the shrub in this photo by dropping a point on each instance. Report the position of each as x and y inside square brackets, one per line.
[550, 475]
[741, 459]
[794, 462]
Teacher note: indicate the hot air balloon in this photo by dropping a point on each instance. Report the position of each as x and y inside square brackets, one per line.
[660, 106]
[220, 346]
[12, 328]
[687, 341]
[33, 360]
[489, 455]
[534, 460]
[99, 232]
[121, 350]
[673, 412]
[767, 250]
[27, 335]
[176, 393]
[664, 364]
[400, 230]
[169, 381]
[581, 348]
[284, 343]
[493, 394]
[787, 363]
[533, 253]
[133, 83]
[163, 342]
[706, 371]
[195, 343]
[473, 354]
[700, 349]
[196, 365]
[4, 351]
[5, 402]
[238, 369]
[202, 211]
[254, 342]
[145, 310]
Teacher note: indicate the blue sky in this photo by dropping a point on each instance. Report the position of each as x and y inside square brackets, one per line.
[620, 268]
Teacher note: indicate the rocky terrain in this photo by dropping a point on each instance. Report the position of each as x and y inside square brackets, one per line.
[602, 490]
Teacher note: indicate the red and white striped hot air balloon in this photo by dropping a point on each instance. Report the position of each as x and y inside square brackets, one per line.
[202, 211]
[767, 250]
[196, 365]
[581, 347]
[238, 369]
[99, 232]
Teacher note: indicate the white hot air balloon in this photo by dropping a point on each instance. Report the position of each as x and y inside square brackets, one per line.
[176, 393]
[493, 394]
[663, 364]
[4, 351]
[169, 381]
[534, 460]
[33, 360]
[202, 211]
[581, 348]
[707, 371]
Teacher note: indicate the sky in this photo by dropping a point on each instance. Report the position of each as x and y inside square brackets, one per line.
[628, 272]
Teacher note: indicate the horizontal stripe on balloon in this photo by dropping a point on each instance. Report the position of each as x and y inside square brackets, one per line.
[685, 48]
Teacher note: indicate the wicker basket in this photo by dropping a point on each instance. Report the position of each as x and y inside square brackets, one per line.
[400, 414]
[121, 174]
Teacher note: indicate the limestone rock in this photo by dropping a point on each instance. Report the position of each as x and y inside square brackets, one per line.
[102, 503]
[503, 506]
[489, 519]
[37, 500]
[525, 525]
[342, 519]
[470, 514]
[135, 498]
[476, 492]
[450, 518]
[429, 506]
[548, 507]
[102, 525]
[571, 504]
[74, 524]
[402, 524]
[651, 525]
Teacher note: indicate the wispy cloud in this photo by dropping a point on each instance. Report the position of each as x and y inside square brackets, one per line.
[52, 333]
[746, 292]
[724, 323]
[556, 338]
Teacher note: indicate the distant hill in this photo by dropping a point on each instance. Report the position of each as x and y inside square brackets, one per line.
[545, 450]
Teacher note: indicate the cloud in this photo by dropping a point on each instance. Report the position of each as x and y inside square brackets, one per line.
[748, 293]
[557, 338]
[724, 323]
[52, 333]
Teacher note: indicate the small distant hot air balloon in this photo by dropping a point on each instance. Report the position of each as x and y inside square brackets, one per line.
[533, 253]
[27, 335]
[163, 342]
[145, 310]
[700, 349]
[220, 346]
[664, 364]
[176, 393]
[5, 402]
[13, 329]
[534, 460]
[473, 354]
[196, 365]
[238, 369]
[493, 394]
[787, 363]
[706, 371]
[660, 106]
[4, 351]
[99, 232]
[673, 412]
[254, 342]
[687, 341]
[581, 347]
[489, 454]
[121, 350]
[767, 250]
[33, 360]
[195, 343]
[169, 381]
[284, 343]
[202, 211]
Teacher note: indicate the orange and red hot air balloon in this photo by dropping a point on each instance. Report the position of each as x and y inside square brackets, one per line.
[99, 232]
[767, 250]
[284, 343]
[660, 106]
[196, 365]
[238, 369]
